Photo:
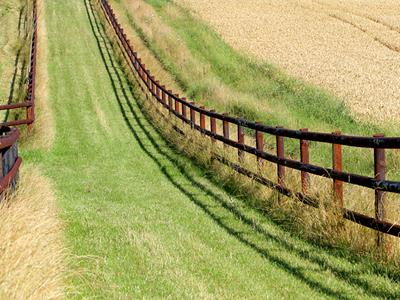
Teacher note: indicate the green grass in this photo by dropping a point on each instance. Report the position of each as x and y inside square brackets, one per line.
[291, 102]
[141, 220]
[14, 53]
[306, 105]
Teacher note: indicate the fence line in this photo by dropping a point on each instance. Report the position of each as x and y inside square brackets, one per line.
[9, 158]
[29, 104]
[179, 107]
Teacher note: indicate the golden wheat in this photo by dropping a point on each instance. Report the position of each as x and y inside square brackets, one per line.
[352, 48]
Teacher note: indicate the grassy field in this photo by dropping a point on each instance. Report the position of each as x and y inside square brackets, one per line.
[13, 21]
[227, 80]
[349, 47]
[140, 220]
[185, 49]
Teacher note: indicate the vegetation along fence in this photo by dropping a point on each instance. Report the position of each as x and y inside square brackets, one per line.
[9, 159]
[187, 111]
[29, 104]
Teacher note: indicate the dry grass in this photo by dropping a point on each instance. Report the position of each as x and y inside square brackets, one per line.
[31, 246]
[159, 33]
[322, 224]
[349, 47]
[13, 49]
[44, 127]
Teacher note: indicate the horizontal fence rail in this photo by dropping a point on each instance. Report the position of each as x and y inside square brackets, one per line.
[9, 159]
[29, 104]
[187, 111]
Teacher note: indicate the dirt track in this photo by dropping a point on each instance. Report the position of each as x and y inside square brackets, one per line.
[349, 47]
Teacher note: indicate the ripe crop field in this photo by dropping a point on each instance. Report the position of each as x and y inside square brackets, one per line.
[119, 199]
[351, 48]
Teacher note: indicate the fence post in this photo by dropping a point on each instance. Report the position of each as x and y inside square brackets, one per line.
[213, 126]
[240, 136]
[141, 68]
[163, 98]
[225, 129]
[305, 159]
[192, 116]
[259, 144]
[337, 166]
[148, 85]
[184, 112]
[280, 152]
[202, 119]
[157, 90]
[169, 101]
[176, 104]
[153, 86]
[380, 174]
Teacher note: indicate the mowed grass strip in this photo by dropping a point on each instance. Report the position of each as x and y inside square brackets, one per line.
[142, 220]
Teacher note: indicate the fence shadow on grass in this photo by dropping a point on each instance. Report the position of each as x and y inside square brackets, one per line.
[235, 221]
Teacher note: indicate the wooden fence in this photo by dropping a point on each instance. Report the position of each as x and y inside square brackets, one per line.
[9, 159]
[29, 104]
[187, 111]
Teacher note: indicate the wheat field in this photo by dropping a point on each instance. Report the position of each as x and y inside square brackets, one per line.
[351, 48]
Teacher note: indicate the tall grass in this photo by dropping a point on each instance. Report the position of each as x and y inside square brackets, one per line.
[212, 73]
[31, 244]
[321, 224]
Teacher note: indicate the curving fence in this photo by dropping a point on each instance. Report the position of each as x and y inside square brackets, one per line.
[29, 104]
[187, 112]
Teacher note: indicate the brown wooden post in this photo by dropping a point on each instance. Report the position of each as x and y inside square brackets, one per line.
[337, 166]
[177, 104]
[184, 112]
[213, 125]
[202, 119]
[157, 90]
[305, 159]
[163, 95]
[240, 133]
[148, 83]
[225, 128]
[169, 101]
[259, 144]
[134, 58]
[380, 174]
[141, 70]
[153, 86]
[280, 152]
[192, 116]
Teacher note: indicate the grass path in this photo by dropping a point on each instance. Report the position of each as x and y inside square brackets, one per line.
[143, 221]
